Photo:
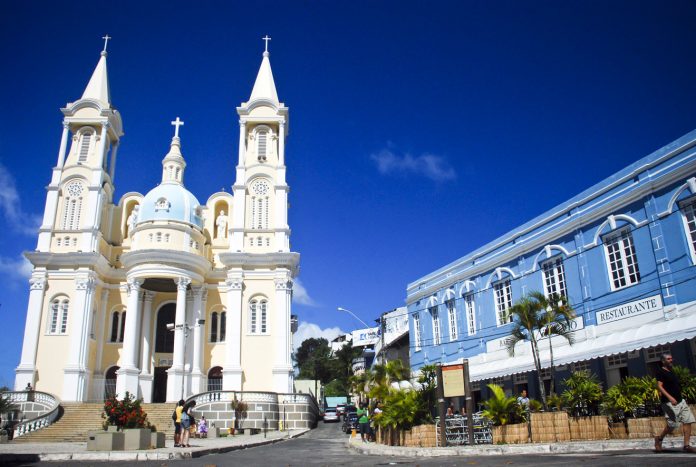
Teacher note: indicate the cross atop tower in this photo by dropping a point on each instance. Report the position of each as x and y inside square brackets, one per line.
[267, 38]
[106, 41]
[177, 123]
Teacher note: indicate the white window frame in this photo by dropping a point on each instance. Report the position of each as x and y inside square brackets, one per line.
[85, 146]
[470, 306]
[120, 326]
[262, 135]
[258, 316]
[502, 295]
[688, 211]
[654, 354]
[452, 317]
[616, 361]
[58, 316]
[553, 272]
[437, 333]
[620, 246]
[218, 326]
[416, 332]
[72, 205]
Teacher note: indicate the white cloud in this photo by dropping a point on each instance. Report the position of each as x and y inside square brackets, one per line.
[431, 166]
[307, 330]
[11, 206]
[19, 268]
[300, 295]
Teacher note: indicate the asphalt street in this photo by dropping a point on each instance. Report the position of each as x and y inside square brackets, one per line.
[327, 446]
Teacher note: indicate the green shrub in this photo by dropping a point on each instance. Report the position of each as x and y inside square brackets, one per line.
[687, 382]
[501, 409]
[583, 393]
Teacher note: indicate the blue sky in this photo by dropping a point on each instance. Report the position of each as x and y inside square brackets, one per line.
[418, 132]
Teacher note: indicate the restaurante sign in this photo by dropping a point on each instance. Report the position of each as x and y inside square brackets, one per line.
[630, 309]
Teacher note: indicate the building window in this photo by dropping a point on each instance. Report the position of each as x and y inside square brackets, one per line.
[416, 332]
[435, 315]
[688, 209]
[84, 147]
[469, 304]
[503, 301]
[58, 319]
[452, 317]
[580, 366]
[260, 191]
[262, 145]
[162, 205]
[118, 325]
[72, 207]
[258, 316]
[621, 257]
[554, 277]
[654, 354]
[217, 326]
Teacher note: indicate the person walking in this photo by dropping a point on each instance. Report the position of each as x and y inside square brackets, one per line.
[186, 422]
[364, 421]
[177, 423]
[675, 408]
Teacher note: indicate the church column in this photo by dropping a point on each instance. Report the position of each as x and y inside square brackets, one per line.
[63, 145]
[282, 368]
[146, 376]
[102, 147]
[127, 379]
[112, 164]
[175, 377]
[232, 371]
[98, 371]
[200, 295]
[76, 376]
[27, 364]
[242, 142]
[281, 143]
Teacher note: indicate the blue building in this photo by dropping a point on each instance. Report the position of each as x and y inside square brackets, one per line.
[623, 252]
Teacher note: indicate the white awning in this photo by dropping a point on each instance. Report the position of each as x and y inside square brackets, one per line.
[649, 334]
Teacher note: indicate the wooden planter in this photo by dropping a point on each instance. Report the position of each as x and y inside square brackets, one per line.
[419, 436]
[589, 428]
[511, 434]
[549, 427]
[659, 423]
[617, 431]
[639, 428]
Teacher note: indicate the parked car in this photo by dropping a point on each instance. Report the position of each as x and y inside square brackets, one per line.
[340, 409]
[350, 422]
[330, 415]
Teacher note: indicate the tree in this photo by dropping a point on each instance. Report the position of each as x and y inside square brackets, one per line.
[526, 318]
[313, 359]
[342, 365]
[555, 320]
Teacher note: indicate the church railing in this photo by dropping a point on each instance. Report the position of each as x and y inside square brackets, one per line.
[48, 402]
[228, 396]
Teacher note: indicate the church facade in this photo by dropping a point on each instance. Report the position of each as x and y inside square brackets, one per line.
[158, 294]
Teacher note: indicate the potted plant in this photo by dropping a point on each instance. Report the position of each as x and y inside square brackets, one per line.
[582, 397]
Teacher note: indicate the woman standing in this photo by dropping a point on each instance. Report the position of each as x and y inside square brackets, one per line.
[186, 421]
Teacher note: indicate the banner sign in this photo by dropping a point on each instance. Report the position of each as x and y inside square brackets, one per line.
[453, 380]
[630, 309]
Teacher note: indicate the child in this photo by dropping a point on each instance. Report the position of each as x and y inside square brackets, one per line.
[203, 428]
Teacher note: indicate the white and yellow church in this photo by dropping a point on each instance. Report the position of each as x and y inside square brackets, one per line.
[158, 294]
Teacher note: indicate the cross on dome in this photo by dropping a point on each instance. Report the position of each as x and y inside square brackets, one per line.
[177, 123]
[267, 38]
[106, 41]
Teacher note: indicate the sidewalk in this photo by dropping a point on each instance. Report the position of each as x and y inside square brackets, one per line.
[571, 447]
[32, 452]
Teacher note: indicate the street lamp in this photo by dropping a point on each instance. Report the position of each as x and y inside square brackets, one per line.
[186, 328]
[354, 316]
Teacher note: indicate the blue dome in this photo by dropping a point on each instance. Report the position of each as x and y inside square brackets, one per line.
[170, 202]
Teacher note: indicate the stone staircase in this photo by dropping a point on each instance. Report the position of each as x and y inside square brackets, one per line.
[78, 419]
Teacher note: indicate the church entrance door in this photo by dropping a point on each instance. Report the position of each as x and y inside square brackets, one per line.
[159, 390]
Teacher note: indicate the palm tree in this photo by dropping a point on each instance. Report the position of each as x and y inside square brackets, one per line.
[396, 371]
[358, 384]
[556, 320]
[526, 318]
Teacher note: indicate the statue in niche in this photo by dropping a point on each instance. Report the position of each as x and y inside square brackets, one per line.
[221, 223]
[132, 220]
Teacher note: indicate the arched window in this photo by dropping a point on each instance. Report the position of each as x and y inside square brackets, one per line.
[85, 144]
[452, 318]
[621, 259]
[416, 332]
[688, 209]
[435, 315]
[258, 316]
[217, 326]
[164, 340]
[123, 327]
[502, 291]
[215, 379]
[58, 318]
[223, 324]
[110, 382]
[262, 145]
[72, 208]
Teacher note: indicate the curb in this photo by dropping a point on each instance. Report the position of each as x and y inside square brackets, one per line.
[577, 447]
[151, 455]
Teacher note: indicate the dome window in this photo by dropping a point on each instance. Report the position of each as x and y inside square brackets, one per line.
[162, 205]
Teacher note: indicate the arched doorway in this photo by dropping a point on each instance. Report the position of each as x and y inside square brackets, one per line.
[110, 382]
[164, 344]
[215, 379]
